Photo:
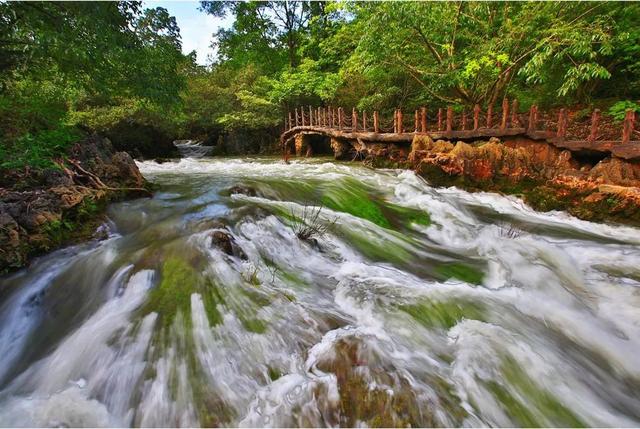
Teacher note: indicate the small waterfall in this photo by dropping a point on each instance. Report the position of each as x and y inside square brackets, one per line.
[192, 148]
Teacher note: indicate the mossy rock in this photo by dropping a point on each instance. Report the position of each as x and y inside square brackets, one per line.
[527, 404]
[178, 281]
[459, 271]
[351, 197]
[446, 314]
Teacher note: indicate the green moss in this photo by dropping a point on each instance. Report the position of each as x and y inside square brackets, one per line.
[541, 408]
[254, 325]
[211, 298]
[405, 216]
[349, 196]
[274, 373]
[178, 281]
[443, 314]
[461, 272]
[376, 248]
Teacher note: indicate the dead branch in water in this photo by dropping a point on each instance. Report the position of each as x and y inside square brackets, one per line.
[310, 225]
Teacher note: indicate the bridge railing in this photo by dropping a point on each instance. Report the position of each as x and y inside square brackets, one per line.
[508, 119]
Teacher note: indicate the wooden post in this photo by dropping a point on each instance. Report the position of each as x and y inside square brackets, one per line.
[319, 116]
[354, 119]
[395, 121]
[476, 117]
[440, 119]
[400, 124]
[340, 118]
[423, 119]
[290, 120]
[310, 116]
[302, 115]
[416, 122]
[515, 122]
[464, 120]
[561, 133]
[332, 117]
[595, 123]
[449, 120]
[376, 122]
[490, 116]
[628, 125]
[364, 120]
[505, 113]
[533, 119]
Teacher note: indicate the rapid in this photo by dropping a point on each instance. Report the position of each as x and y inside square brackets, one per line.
[342, 296]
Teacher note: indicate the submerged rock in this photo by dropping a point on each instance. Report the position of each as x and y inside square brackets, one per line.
[226, 243]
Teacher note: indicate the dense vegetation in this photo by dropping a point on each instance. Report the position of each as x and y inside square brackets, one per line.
[68, 68]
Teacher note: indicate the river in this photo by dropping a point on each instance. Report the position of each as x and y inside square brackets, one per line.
[410, 305]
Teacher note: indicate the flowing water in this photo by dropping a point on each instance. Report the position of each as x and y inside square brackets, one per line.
[418, 306]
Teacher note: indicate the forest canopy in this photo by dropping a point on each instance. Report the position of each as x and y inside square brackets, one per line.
[71, 67]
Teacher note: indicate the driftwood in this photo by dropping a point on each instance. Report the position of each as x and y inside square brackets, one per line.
[76, 173]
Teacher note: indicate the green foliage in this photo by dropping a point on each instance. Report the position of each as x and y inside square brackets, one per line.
[619, 109]
[37, 150]
[75, 63]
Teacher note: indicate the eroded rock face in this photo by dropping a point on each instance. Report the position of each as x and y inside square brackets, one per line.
[42, 210]
[545, 176]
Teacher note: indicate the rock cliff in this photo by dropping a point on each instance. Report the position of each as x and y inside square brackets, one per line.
[42, 210]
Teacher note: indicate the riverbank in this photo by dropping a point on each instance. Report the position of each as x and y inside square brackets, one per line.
[599, 189]
[41, 210]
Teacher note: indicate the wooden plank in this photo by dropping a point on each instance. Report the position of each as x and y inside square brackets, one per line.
[628, 125]
[562, 124]
[354, 119]
[476, 116]
[515, 122]
[595, 124]
[533, 119]
[505, 113]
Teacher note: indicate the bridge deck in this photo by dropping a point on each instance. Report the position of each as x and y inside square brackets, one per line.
[576, 136]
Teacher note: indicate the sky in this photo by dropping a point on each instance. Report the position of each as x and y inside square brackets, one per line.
[196, 28]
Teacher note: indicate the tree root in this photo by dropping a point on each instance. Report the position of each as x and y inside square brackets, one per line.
[77, 173]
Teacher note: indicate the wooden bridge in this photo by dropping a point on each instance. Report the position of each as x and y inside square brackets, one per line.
[590, 135]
